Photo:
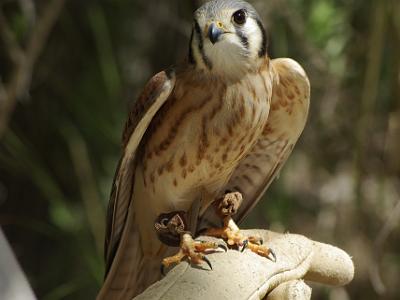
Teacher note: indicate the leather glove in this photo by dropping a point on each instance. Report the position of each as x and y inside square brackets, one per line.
[246, 275]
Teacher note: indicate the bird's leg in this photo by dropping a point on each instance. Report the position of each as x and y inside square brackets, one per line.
[227, 207]
[172, 230]
[192, 250]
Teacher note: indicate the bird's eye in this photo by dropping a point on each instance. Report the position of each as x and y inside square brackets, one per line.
[240, 17]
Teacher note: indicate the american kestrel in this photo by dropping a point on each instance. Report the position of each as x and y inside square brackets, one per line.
[202, 144]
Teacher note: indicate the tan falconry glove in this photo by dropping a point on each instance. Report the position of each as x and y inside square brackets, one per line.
[246, 275]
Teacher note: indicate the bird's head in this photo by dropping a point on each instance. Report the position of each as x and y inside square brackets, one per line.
[228, 38]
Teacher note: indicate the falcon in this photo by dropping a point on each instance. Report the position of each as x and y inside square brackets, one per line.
[201, 145]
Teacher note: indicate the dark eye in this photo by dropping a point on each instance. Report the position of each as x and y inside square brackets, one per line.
[239, 17]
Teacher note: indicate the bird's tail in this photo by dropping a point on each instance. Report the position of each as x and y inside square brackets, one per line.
[130, 272]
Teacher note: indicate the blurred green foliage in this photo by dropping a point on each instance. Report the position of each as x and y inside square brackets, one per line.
[58, 156]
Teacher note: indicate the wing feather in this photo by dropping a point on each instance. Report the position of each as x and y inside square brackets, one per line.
[154, 95]
[286, 121]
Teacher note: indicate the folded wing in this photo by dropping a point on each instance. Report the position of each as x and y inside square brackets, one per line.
[122, 242]
[286, 121]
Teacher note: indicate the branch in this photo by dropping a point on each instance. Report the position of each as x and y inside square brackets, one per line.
[369, 94]
[237, 275]
[28, 8]
[91, 199]
[12, 47]
[24, 60]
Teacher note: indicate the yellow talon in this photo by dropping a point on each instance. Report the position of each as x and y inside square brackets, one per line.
[191, 249]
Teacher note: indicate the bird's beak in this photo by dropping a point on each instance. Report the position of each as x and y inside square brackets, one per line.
[214, 32]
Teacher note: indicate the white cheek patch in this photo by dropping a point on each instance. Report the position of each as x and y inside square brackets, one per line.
[254, 36]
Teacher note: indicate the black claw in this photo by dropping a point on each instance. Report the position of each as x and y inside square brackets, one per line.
[207, 261]
[245, 243]
[273, 255]
[222, 246]
[162, 270]
[261, 241]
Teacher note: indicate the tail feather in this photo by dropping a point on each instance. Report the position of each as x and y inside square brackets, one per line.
[130, 272]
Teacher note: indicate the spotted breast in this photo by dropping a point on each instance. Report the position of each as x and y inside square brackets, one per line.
[192, 161]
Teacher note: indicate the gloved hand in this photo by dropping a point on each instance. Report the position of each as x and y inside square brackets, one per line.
[237, 275]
